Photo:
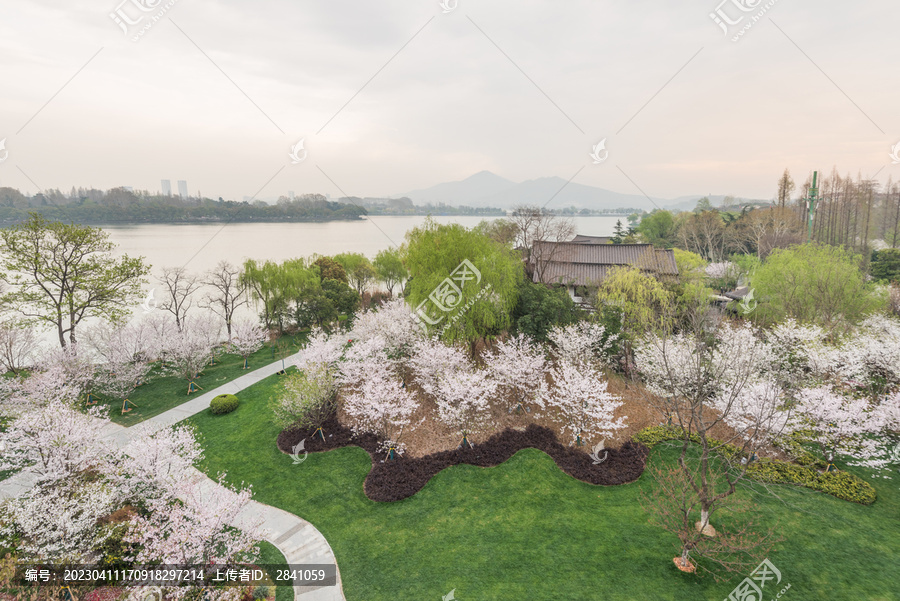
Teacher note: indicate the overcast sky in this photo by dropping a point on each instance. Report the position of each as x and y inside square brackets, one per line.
[395, 95]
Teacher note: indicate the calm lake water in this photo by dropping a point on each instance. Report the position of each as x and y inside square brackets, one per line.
[199, 247]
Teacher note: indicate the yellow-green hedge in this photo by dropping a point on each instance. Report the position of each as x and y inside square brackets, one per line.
[805, 472]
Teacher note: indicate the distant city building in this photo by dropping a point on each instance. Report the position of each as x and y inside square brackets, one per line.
[166, 187]
[182, 188]
[129, 188]
[248, 198]
[291, 194]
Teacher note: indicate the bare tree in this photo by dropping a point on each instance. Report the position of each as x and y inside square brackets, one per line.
[536, 226]
[785, 187]
[673, 504]
[229, 292]
[180, 285]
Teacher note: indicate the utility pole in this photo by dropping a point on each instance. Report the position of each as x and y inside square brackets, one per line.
[812, 196]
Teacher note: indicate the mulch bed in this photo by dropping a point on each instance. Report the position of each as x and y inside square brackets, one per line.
[403, 477]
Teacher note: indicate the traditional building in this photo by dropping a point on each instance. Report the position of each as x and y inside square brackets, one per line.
[582, 264]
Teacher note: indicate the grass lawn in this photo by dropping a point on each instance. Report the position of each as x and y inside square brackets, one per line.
[270, 555]
[162, 392]
[526, 530]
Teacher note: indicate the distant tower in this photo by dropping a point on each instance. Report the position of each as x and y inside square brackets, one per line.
[166, 187]
[291, 194]
[182, 188]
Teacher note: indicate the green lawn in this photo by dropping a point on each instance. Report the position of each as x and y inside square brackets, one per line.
[270, 555]
[162, 392]
[526, 530]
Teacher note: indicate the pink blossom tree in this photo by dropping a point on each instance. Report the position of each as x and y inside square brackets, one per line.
[581, 402]
[518, 365]
[431, 360]
[393, 321]
[187, 352]
[200, 524]
[381, 405]
[247, 337]
[55, 441]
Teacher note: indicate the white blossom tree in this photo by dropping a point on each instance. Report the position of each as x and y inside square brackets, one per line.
[582, 403]
[308, 399]
[843, 425]
[463, 398]
[394, 322]
[582, 343]
[322, 349]
[518, 365]
[433, 359]
[55, 441]
[187, 352]
[18, 346]
[710, 374]
[380, 404]
[247, 337]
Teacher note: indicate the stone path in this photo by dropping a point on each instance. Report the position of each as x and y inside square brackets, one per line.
[298, 540]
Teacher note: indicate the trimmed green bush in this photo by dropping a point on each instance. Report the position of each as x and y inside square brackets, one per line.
[261, 592]
[805, 472]
[224, 403]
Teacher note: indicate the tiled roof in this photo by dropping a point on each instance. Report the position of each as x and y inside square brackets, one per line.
[584, 264]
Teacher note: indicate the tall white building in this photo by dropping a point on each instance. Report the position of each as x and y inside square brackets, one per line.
[182, 188]
[166, 187]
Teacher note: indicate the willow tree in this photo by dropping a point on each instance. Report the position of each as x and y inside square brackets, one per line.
[60, 274]
[275, 286]
[463, 285]
[639, 298]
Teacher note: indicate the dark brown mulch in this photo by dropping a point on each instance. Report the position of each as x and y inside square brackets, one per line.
[403, 477]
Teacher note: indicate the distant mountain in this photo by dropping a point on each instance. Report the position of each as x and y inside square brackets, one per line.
[486, 189]
[465, 192]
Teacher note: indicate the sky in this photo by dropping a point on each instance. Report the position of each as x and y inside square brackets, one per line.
[397, 95]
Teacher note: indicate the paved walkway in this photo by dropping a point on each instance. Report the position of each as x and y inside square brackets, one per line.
[297, 539]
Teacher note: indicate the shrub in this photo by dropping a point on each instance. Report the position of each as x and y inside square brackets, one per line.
[805, 472]
[261, 592]
[224, 403]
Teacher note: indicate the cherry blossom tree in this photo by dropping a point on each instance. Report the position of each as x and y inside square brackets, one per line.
[843, 425]
[798, 354]
[380, 404]
[247, 337]
[394, 322]
[432, 359]
[322, 349]
[581, 402]
[56, 441]
[709, 374]
[518, 366]
[200, 524]
[871, 357]
[18, 346]
[155, 461]
[63, 376]
[58, 520]
[463, 398]
[582, 343]
[187, 352]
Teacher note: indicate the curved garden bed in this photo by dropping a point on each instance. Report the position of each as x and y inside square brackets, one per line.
[402, 477]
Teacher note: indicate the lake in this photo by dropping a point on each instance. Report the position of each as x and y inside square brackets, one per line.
[198, 247]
